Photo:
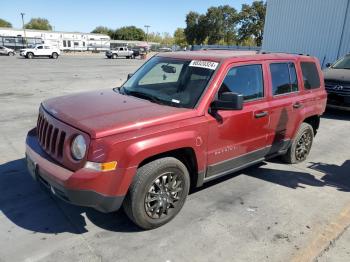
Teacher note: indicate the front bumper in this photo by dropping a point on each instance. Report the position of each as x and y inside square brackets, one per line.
[55, 177]
[338, 101]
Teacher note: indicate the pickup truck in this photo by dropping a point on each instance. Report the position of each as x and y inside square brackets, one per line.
[40, 51]
[120, 52]
[181, 120]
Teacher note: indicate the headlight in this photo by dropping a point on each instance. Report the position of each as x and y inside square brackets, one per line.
[78, 147]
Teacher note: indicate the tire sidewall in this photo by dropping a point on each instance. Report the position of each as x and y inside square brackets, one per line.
[54, 55]
[303, 128]
[138, 202]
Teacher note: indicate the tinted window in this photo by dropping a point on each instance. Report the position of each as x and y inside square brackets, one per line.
[246, 80]
[40, 47]
[284, 78]
[310, 75]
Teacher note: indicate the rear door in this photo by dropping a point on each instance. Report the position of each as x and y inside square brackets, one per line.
[284, 103]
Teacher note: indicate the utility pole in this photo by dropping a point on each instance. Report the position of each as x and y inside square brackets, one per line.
[147, 27]
[24, 30]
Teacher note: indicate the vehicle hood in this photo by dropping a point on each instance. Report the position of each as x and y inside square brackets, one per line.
[27, 49]
[104, 113]
[342, 75]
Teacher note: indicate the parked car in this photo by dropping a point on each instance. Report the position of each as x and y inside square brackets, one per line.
[120, 52]
[40, 51]
[7, 51]
[181, 120]
[337, 81]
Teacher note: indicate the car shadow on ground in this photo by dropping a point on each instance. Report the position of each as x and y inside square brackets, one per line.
[335, 176]
[30, 206]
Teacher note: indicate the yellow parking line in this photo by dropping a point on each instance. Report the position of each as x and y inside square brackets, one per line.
[324, 238]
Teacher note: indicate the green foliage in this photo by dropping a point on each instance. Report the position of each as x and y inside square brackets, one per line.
[224, 25]
[129, 33]
[4, 23]
[220, 23]
[179, 37]
[103, 30]
[252, 21]
[39, 24]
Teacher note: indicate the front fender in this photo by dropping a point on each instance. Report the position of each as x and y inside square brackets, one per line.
[141, 150]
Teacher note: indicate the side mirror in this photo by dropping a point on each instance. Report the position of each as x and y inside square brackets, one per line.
[129, 76]
[228, 101]
[328, 65]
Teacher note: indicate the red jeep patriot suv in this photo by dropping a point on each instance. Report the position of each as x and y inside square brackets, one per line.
[180, 120]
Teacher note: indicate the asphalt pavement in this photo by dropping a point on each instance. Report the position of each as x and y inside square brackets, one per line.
[269, 212]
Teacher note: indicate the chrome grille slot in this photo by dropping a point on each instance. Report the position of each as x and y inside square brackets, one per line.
[50, 138]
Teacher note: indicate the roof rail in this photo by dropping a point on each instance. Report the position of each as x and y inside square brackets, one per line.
[268, 52]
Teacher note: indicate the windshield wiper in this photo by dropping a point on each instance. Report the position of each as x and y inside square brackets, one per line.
[149, 97]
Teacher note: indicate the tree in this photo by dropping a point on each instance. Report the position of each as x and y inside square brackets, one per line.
[103, 30]
[191, 27]
[179, 37]
[4, 23]
[195, 31]
[252, 21]
[38, 23]
[129, 33]
[221, 23]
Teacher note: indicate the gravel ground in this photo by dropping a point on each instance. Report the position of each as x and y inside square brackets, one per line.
[269, 212]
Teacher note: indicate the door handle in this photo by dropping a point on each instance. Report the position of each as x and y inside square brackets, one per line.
[261, 114]
[297, 105]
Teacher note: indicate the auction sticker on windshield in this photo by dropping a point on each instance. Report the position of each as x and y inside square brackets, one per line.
[204, 64]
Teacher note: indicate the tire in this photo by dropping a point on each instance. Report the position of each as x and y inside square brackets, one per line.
[301, 145]
[54, 55]
[30, 55]
[127, 57]
[151, 203]
[132, 57]
[11, 54]
[114, 56]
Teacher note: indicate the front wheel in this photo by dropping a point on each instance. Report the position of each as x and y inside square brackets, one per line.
[301, 145]
[157, 193]
[114, 56]
[11, 54]
[30, 55]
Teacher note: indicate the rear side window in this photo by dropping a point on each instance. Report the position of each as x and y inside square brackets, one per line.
[310, 75]
[284, 78]
[246, 80]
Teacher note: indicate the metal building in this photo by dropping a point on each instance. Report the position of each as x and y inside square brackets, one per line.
[317, 27]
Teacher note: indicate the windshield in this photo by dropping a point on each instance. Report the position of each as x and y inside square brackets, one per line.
[343, 63]
[170, 81]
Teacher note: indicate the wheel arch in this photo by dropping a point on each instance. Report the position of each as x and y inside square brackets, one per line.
[314, 121]
[186, 155]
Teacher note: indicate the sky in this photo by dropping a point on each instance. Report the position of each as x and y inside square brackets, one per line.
[85, 15]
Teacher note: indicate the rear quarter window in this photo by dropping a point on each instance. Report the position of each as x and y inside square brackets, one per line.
[310, 75]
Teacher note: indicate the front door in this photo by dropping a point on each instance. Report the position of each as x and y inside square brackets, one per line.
[240, 136]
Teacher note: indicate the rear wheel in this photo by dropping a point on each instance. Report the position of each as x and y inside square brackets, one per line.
[30, 55]
[54, 55]
[301, 146]
[158, 192]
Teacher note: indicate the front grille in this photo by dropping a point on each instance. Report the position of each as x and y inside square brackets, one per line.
[50, 137]
[55, 137]
[340, 88]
